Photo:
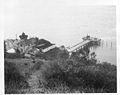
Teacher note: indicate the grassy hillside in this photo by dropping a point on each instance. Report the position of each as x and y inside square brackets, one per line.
[14, 80]
[88, 78]
[57, 73]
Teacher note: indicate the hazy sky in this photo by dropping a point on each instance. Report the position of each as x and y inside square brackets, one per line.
[61, 22]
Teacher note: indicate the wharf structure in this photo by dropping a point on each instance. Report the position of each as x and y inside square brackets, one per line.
[88, 41]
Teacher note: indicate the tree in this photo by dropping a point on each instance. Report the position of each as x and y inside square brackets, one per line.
[23, 36]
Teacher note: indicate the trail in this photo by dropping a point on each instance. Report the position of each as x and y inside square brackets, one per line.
[34, 84]
[33, 80]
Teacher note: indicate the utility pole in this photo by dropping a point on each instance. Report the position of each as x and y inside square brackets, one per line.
[16, 36]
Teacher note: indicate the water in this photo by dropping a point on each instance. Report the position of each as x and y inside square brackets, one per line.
[106, 52]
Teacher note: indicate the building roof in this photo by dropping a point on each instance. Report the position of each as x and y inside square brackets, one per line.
[42, 44]
[12, 50]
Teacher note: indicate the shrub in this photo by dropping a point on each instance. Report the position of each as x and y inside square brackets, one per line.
[53, 54]
[75, 75]
[37, 66]
[13, 55]
[50, 70]
[13, 79]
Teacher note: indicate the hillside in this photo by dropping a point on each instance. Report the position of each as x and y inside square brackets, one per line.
[58, 76]
[55, 71]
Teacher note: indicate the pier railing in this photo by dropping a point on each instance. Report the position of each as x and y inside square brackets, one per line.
[87, 41]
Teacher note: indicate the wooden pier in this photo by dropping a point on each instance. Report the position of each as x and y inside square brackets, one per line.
[87, 41]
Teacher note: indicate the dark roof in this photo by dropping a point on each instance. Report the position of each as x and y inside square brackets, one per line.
[42, 44]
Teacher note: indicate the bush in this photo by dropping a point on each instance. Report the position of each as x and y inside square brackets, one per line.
[37, 66]
[50, 70]
[53, 54]
[13, 55]
[74, 75]
[13, 79]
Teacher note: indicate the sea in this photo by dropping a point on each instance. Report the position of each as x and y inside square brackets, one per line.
[106, 52]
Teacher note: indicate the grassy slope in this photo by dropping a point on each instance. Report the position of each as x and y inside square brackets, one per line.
[20, 68]
[58, 77]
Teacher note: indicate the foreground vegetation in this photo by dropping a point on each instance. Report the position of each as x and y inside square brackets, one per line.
[61, 75]
[71, 77]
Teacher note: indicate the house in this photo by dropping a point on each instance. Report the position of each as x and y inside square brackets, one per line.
[29, 46]
[48, 48]
[26, 44]
[11, 44]
[44, 45]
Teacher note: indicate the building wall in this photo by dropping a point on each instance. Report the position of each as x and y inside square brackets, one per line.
[11, 44]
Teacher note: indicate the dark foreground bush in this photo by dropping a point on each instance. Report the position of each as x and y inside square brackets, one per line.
[14, 81]
[99, 78]
[13, 55]
[53, 54]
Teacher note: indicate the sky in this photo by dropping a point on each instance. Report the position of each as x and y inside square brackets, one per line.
[62, 22]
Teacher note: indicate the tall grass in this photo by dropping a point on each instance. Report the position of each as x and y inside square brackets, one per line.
[13, 55]
[98, 78]
[14, 81]
[65, 75]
